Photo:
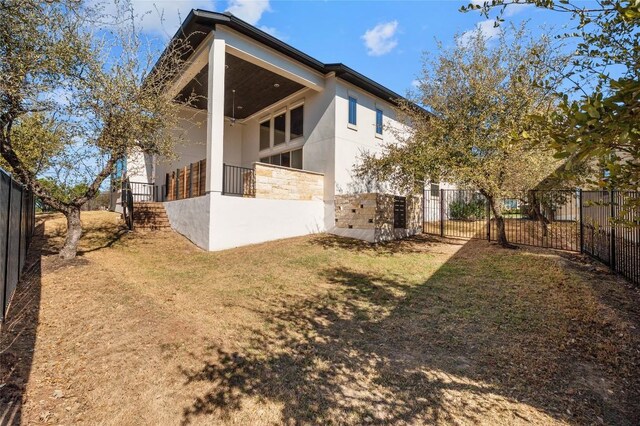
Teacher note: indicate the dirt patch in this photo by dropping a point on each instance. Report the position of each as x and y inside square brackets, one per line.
[319, 330]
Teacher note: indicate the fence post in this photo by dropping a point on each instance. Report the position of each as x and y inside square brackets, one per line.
[488, 220]
[190, 180]
[20, 234]
[177, 184]
[423, 204]
[612, 234]
[442, 212]
[6, 253]
[224, 174]
[580, 224]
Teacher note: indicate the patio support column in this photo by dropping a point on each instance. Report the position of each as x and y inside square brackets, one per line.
[215, 115]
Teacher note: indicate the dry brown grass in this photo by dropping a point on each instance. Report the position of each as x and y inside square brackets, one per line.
[147, 329]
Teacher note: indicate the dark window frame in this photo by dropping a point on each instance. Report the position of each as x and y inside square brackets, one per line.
[353, 112]
[268, 122]
[379, 121]
[291, 129]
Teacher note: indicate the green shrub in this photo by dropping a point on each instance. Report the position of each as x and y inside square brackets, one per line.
[467, 210]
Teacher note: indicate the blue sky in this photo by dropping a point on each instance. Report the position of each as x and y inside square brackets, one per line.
[383, 40]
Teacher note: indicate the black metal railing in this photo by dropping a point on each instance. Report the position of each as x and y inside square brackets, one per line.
[239, 181]
[596, 223]
[127, 203]
[611, 230]
[17, 224]
[142, 191]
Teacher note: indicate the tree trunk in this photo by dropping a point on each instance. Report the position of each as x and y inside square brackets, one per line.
[502, 231]
[536, 213]
[74, 232]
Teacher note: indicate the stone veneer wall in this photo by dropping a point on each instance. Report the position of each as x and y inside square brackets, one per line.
[284, 183]
[374, 212]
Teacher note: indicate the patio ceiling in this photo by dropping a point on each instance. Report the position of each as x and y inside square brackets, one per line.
[255, 88]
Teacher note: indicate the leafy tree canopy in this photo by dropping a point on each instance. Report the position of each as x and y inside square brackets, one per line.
[79, 91]
[478, 132]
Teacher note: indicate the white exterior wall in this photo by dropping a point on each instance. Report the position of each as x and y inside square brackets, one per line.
[350, 141]
[238, 221]
[191, 140]
[191, 217]
[139, 167]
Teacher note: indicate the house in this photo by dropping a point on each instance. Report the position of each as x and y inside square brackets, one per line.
[271, 146]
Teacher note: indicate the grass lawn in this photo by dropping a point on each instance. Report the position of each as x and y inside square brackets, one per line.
[148, 329]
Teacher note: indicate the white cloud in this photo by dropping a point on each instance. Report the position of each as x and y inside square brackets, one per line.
[249, 10]
[416, 83]
[274, 32]
[380, 40]
[487, 28]
[513, 9]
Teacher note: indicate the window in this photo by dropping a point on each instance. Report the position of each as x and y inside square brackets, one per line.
[296, 159]
[282, 128]
[297, 123]
[275, 160]
[265, 134]
[435, 190]
[279, 126]
[120, 168]
[291, 159]
[353, 110]
[285, 159]
[378, 121]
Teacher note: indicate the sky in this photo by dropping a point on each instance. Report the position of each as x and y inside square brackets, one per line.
[384, 40]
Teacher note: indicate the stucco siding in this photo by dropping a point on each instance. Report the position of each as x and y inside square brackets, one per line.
[238, 221]
[190, 217]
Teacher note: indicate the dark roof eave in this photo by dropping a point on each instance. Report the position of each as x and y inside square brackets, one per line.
[204, 18]
[260, 36]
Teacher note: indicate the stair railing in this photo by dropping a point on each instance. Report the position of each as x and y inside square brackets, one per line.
[127, 203]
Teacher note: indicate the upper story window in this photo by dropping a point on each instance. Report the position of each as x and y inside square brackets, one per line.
[353, 111]
[296, 122]
[279, 126]
[282, 128]
[379, 116]
[265, 134]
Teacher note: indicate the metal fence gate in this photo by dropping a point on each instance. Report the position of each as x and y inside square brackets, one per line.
[17, 220]
[572, 220]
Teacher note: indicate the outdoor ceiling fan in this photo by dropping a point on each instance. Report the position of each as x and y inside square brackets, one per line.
[232, 119]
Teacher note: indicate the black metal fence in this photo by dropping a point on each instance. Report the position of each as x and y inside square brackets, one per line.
[591, 222]
[614, 242]
[17, 220]
[142, 191]
[240, 181]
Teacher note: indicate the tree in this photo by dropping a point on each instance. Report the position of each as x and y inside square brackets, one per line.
[602, 124]
[78, 94]
[478, 133]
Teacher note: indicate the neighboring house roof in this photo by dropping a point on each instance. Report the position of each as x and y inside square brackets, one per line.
[203, 21]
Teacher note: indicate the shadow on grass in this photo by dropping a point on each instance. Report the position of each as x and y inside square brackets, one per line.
[18, 334]
[416, 244]
[94, 238]
[463, 347]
